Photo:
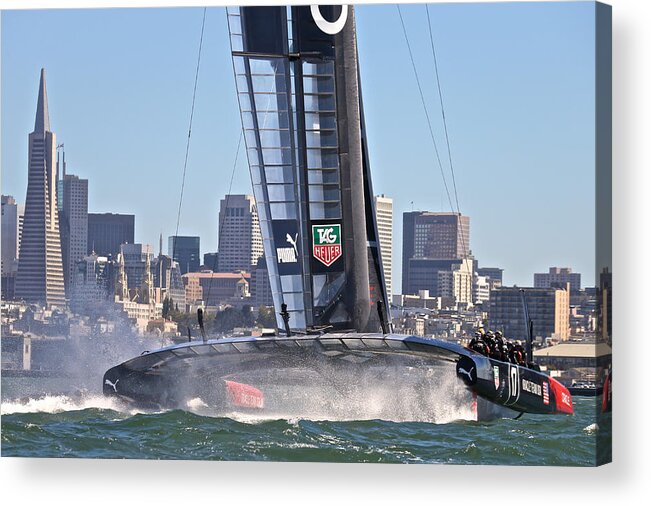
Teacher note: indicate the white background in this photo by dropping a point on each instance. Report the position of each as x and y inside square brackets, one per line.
[626, 481]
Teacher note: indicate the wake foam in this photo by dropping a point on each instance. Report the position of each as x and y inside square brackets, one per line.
[62, 403]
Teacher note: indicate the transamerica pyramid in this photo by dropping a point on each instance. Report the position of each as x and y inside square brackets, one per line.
[40, 268]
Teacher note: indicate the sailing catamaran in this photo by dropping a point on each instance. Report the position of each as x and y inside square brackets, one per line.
[298, 84]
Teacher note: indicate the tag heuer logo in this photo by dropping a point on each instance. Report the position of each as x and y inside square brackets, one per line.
[326, 243]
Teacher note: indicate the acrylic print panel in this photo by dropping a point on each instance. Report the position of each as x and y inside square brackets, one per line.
[394, 244]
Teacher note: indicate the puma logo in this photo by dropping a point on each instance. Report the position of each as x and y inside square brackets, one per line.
[292, 241]
[467, 373]
[111, 384]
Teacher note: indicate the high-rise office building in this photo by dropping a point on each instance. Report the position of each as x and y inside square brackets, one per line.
[40, 268]
[9, 247]
[210, 261]
[260, 286]
[185, 251]
[240, 240]
[108, 231]
[441, 278]
[384, 220]
[549, 310]
[168, 283]
[494, 274]
[558, 276]
[136, 258]
[432, 236]
[74, 225]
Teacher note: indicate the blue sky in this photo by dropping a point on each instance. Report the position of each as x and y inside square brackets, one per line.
[518, 88]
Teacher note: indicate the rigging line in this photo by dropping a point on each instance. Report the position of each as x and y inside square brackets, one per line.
[187, 145]
[445, 125]
[422, 98]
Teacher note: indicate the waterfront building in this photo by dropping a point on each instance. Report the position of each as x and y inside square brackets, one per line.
[558, 276]
[384, 220]
[108, 231]
[432, 236]
[240, 240]
[549, 309]
[39, 277]
[185, 251]
[73, 222]
[215, 288]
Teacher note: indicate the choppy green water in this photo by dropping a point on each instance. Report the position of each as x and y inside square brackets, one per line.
[58, 426]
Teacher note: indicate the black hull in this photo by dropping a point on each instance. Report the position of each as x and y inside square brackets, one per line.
[405, 376]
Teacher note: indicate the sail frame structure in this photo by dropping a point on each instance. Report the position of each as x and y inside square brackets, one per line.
[297, 78]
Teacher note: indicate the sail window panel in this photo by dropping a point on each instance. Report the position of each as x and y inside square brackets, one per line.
[319, 84]
[321, 139]
[320, 120]
[245, 101]
[279, 174]
[281, 193]
[236, 43]
[263, 215]
[294, 301]
[235, 23]
[275, 138]
[293, 283]
[234, 11]
[316, 103]
[318, 69]
[264, 28]
[253, 155]
[268, 83]
[296, 320]
[322, 193]
[283, 211]
[250, 139]
[325, 210]
[319, 176]
[273, 156]
[265, 227]
[322, 158]
[258, 193]
[242, 84]
[247, 119]
[326, 287]
[277, 120]
[239, 65]
[267, 66]
[271, 101]
[256, 175]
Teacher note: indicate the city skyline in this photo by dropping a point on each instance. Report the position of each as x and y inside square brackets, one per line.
[497, 205]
